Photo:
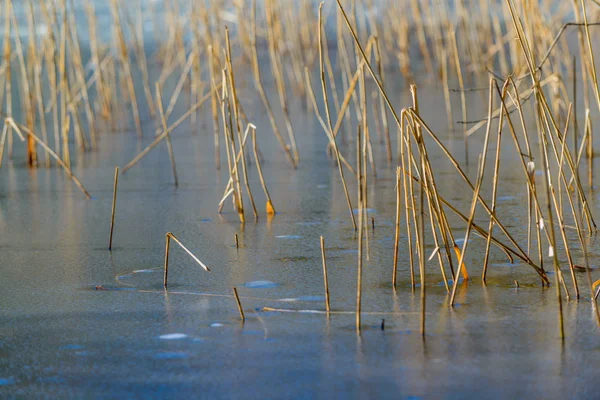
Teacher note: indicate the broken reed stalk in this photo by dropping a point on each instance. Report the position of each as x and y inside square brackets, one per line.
[325, 279]
[397, 237]
[168, 237]
[114, 204]
[163, 120]
[269, 205]
[239, 304]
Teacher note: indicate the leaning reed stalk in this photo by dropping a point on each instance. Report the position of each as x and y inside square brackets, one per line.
[18, 128]
[481, 167]
[239, 304]
[168, 237]
[114, 205]
[167, 132]
[269, 205]
[163, 120]
[325, 279]
[245, 170]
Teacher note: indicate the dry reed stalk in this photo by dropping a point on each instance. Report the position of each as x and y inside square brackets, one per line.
[313, 102]
[232, 161]
[362, 150]
[591, 57]
[328, 115]
[495, 179]
[75, 51]
[483, 203]
[463, 99]
[114, 204]
[360, 180]
[163, 120]
[481, 168]
[559, 211]
[236, 240]
[125, 64]
[261, 91]
[526, 50]
[280, 82]
[418, 21]
[235, 127]
[382, 108]
[37, 83]
[405, 186]
[140, 54]
[168, 237]
[433, 217]
[420, 224]
[239, 304]
[95, 60]
[63, 89]
[422, 123]
[229, 189]
[245, 170]
[214, 107]
[446, 90]
[397, 236]
[184, 75]
[27, 95]
[269, 206]
[325, 280]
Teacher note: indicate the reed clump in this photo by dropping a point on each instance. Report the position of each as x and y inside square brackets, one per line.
[62, 101]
